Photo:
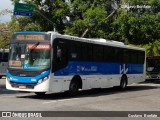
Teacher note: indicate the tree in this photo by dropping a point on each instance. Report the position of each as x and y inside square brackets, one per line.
[4, 35]
[130, 21]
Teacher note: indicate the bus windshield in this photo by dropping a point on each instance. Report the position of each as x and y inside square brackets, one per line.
[30, 56]
[153, 65]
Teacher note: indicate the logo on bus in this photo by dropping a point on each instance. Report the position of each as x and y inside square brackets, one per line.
[123, 69]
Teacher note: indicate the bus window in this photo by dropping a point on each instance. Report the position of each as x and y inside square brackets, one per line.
[60, 55]
[126, 56]
[84, 57]
[97, 53]
[90, 52]
[75, 51]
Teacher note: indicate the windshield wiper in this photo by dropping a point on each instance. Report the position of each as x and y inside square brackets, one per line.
[34, 46]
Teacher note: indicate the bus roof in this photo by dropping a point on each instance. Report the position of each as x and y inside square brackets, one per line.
[94, 40]
[89, 40]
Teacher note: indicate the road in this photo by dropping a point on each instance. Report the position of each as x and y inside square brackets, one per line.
[138, 97]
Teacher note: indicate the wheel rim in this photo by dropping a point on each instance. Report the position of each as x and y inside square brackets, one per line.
[74, 87]
[123, 84]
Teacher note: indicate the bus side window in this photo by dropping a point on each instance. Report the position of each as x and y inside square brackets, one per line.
[75, 51]
[59, 54]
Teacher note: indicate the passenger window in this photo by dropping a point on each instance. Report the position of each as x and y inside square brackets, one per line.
[59, 54]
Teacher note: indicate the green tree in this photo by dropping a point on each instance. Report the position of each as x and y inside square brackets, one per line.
[130, 21]
[4, 35]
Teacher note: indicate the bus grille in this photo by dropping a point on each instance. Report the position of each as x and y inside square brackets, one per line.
[22, 86]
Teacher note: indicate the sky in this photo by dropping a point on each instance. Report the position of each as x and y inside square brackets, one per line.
[6, 4]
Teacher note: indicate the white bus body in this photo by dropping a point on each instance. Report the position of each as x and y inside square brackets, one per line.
[76, 63]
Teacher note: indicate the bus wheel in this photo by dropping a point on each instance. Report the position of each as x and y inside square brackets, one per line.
[40, 94]
[0, 77]
[73, 88]
[123, 83]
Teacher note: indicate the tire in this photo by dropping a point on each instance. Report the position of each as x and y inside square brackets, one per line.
[73, 88]
[0, 77]
[123, 83]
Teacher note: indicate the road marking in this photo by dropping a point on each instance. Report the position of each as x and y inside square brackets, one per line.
[150, 84]
[63, 100]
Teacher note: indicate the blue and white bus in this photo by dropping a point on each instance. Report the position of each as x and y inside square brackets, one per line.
[43, 62]
[3, 61]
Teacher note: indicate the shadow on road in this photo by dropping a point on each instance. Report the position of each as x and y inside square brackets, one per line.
[3, 90]
[94, 92]
[156, 81]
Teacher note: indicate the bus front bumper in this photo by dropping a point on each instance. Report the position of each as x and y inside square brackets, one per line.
[42, 87]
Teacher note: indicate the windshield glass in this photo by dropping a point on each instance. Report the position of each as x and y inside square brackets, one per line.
[153, 65]
[30, 56]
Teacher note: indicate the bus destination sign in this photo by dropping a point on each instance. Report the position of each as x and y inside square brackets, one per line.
[30, 37]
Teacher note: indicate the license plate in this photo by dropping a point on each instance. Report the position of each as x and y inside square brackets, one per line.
[22, 87]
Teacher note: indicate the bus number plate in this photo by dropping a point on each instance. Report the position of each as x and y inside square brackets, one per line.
[22, 87]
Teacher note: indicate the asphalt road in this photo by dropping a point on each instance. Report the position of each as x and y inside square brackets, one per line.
[138, 97]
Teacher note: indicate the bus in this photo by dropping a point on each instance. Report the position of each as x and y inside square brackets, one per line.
[3, 61]
[152, 68]
[42, 62]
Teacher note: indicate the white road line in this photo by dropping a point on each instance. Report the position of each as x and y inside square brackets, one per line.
[63, 100]
[150, 85]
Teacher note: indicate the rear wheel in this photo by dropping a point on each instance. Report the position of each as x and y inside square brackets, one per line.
[123, 83]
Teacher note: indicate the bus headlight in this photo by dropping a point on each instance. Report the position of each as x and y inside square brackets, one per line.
[43, 79]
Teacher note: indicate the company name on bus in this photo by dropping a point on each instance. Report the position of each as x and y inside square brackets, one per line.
[30, 37]
[39, 47]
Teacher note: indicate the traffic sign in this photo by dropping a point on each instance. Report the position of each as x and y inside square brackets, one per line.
[23, 13]
[23, 9]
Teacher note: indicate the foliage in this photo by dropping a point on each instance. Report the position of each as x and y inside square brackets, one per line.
[130, 21]
[4, 35]
[152, 49]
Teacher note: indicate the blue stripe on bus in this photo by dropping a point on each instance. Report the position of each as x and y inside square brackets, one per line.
[29, 80]
[95, 68]
[85, 68]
